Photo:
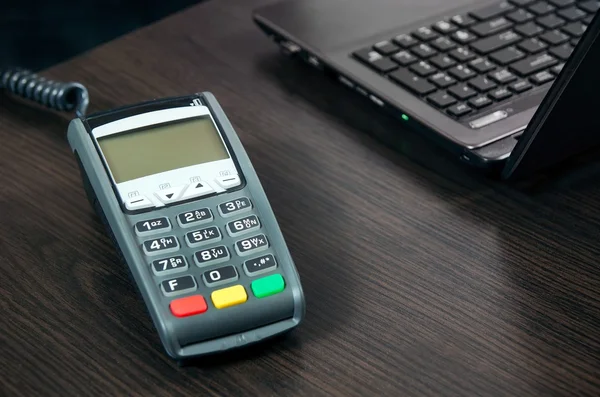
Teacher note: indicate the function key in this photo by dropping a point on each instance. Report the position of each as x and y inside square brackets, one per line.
[479, 102]
[235, 207]
[222, 275]
[188, 306]
[444, 27]
[375, 60]
[227, 182]
[161, 245]
[492, 26]
[260, 265]
[197, 189]
[425, 34]
[268, 286]
[405, 40]
[171, 194]
[492, 11]
[541, 8]
[194, 217]
[572, 14]
[591, 6]
[211, 256]
[500, 94]
[542, 77]
[251, 245]
[166, 266]
[138, 203]
[463, 36]
[441, 99]
[386, 47]
[520, 16]
[404, 58]
[203, 236]
[423, 51]
[179, 285]
[229, 296]
[459, 110]
[152, 226]
[244, 225]
[463, 20]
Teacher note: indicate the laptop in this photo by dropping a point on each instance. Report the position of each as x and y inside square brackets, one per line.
[509, 85]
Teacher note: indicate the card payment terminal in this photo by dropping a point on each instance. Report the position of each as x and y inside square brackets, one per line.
[188, 215]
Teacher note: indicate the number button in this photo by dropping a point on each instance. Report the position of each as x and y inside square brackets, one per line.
[211, 256]
[152, 226]
[260, 265]
[222, 275]
[174, 264]
[161, 245]
[196, 217]
[235, 207]
[179, 285]
[250, 245]
[243, 225]
[203, 236]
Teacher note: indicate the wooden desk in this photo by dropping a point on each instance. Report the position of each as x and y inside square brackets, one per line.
[421, 277]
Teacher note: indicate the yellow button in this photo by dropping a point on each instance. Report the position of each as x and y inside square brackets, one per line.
[230, 296]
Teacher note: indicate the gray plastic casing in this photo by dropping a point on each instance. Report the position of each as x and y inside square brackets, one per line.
[215, 330]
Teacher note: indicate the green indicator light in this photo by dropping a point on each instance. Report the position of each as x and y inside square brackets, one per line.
[404, 117]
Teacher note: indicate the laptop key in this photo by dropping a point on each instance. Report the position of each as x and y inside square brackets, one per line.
[444, 27]
[495, 10]
[423, 51]
[492, 26]
[463, 36]
[463, 20]
[551, 21]
[587, 20]
[482, 84]
[542, 77]
[575, 29]
[443, 44]
[572, 14]
[590, 6]
[541, 8]
[404, 58]
[461, 72]
[520, 86]
[520, 16]
[561, 3]
[482, 65]
[386, 47]
[522, 3]
[375, 60]
[442, 80]
[557, 69]
[412, 82]
[506, 56]
[495, 42]
[423, 69]
[479, 102]
[502, 76]
[528, 29]
[442, 61]
[459, 110]
[500, 94]
[533, 64]
[441, 99]
[425, 33]
[532, 46]
[554, 37]
[462, 91]
[574, 42]
[405, 40]
[462, 54]
[562, 52]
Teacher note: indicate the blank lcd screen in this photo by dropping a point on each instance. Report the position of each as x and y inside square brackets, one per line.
[136, 154]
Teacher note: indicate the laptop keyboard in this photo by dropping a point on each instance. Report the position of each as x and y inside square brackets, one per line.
[470, 62]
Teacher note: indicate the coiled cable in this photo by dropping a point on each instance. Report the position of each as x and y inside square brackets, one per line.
[52, 94]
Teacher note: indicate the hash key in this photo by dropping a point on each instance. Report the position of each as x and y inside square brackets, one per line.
[414, 83]
[441, 99]
[462, 91]
[482, 84]
[461, 72]
[375, 60]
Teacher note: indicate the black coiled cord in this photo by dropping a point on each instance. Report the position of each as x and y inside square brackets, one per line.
[52, 94]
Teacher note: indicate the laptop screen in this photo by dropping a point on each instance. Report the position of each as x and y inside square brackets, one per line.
[567, 121]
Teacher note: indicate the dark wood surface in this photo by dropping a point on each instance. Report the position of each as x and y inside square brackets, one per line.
[421, 277]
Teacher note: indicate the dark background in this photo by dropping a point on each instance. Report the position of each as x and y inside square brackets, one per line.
[37, 34]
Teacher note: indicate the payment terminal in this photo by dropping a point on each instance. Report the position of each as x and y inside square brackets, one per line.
[188, 215]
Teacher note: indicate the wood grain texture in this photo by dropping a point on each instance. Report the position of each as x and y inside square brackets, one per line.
[422, 278]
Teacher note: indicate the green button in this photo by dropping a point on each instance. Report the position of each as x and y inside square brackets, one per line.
[268, 286]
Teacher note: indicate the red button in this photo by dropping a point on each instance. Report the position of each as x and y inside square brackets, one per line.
[188, 306]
